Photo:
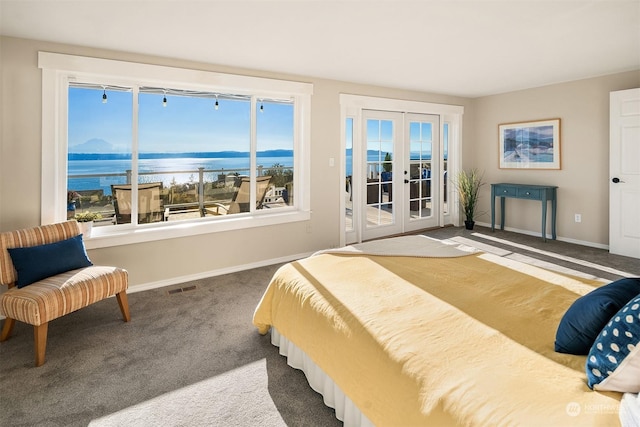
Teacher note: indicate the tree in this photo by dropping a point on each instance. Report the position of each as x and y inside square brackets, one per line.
[280, 175]
[387, 165]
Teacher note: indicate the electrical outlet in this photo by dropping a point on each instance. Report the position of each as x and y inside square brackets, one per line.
[578, 218]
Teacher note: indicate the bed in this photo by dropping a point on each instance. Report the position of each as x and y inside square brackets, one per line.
[413, 331]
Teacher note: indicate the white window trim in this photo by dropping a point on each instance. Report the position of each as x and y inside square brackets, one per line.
[59, 69]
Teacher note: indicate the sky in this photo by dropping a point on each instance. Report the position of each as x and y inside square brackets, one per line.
[186, 124]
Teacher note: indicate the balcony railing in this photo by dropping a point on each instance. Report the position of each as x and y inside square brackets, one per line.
[180, 200]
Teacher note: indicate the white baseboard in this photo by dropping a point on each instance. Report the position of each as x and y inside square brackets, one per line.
[213, 273]
[560, 238]
[583, 243]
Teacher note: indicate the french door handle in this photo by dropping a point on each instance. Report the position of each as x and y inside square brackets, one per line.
[406, 181]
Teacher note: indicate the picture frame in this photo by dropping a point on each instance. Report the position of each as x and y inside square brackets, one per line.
[530, 145]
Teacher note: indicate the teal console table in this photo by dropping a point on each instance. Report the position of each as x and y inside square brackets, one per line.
[544, 193]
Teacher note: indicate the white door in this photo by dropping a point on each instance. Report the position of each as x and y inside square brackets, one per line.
[382, 137]
[402, 178]
[624, 173]
[422, 171]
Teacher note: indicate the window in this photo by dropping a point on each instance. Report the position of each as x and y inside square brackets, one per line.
[348, 179]
[153, 156]
[99, 150]
[193, 151]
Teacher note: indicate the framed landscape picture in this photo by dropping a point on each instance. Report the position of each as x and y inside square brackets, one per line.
[530, 145]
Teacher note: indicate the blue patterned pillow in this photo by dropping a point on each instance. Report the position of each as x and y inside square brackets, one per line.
[613, 362]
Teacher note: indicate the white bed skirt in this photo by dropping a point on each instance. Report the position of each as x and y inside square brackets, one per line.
[350, 415]
[630, 410]
[333, 397]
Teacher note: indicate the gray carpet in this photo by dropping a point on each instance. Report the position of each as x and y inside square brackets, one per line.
[194, 359]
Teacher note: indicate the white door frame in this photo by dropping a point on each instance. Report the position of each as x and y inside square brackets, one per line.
[352, 106]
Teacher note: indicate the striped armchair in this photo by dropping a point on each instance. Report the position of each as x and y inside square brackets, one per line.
[53, 297]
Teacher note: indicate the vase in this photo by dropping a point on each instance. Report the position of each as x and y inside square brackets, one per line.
[85, 228]
[468, 224]
[71, 210]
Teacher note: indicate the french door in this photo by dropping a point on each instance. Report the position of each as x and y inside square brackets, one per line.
[400, 177]
[382, 150]
[422, 139]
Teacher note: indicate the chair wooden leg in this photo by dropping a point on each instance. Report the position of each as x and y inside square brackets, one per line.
[40, 340]
[7, 328]
[123, 302]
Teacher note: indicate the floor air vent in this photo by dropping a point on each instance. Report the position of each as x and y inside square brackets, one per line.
[181, 290]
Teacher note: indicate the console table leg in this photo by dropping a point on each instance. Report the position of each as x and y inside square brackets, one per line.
[493, 210]
[544, 220]
[553, 218]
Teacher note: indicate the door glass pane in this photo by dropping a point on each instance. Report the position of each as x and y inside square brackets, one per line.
[99, 149]
[379, 185]
[445, 157]
[386, 131]
[348, 197]
[421, 145]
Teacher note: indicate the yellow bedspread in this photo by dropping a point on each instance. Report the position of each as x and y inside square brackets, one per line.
[438, 341]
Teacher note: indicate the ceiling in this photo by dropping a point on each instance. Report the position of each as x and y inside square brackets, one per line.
[465, 48]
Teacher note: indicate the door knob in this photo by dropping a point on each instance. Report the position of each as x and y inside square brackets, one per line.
[406, 181]
[616, 180]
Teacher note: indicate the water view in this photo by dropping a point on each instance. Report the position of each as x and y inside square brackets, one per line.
[90, 172]
[174, 186]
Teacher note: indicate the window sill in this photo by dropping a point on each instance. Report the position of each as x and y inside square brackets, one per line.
[104, 237]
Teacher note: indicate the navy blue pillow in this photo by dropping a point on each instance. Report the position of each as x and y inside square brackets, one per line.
[586, 317]
[39, 262]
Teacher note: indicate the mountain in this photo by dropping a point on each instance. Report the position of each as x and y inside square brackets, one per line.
[94, 145]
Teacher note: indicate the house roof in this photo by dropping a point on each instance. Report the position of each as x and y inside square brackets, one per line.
[466, 48]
